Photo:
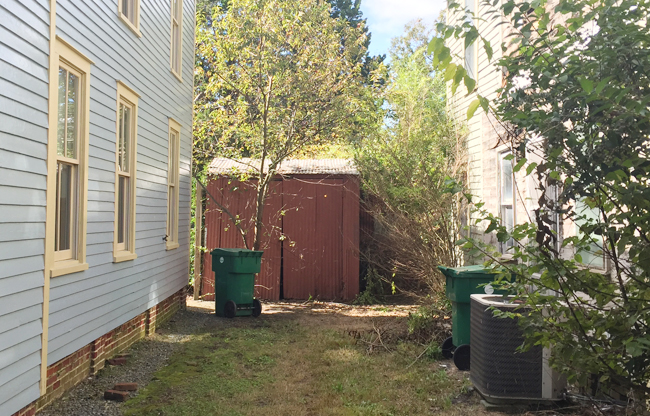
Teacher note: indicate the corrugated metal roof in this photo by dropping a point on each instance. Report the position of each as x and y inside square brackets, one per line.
[220, 166]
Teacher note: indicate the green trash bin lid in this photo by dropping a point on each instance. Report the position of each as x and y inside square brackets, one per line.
[468, 272]
[235, 252]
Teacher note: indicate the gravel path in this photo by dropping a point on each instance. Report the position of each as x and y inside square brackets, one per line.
[146, 357]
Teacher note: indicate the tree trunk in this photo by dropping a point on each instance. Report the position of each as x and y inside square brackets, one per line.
[262, 190]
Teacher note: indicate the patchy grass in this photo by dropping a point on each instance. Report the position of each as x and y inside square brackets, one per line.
[282, 364]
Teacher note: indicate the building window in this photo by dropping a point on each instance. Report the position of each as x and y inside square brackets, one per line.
[172, 184]
[176, 37]
[593, 257]
[470, 51]
[125, 169]
[506, 197]
[129, 12]
[69, 89]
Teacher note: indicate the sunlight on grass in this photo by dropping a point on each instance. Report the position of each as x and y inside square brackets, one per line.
[280, 367]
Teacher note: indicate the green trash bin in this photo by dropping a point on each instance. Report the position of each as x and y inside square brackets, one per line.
[234, 281]
[461, 283]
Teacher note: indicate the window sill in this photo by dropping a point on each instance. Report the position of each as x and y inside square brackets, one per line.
[172, 246]
[177, 75]
[67, 267]
[121, 256]
[130, 25]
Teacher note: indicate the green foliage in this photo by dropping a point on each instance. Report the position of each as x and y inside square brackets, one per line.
[430, 324]
[350, 10]
[407, 167]
[374, 291]
[577, 82]
[274, 77]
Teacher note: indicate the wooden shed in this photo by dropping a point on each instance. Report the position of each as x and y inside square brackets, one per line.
[311, 228]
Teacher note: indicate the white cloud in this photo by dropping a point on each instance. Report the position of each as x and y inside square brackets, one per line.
[386, 18]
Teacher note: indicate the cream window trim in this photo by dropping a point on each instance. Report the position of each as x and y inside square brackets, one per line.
[126, 145]
[123, 256]
[62, 268]
[73, 63]
[173, 174]
[176, 39]
[133, 25]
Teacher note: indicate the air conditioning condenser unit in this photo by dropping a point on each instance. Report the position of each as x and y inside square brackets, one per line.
[499, 372]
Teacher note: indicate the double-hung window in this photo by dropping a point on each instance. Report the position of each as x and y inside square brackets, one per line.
[172, 184]
[176, 37]
[506, 196]
[125, 169]
[68, 138]
[129, 12]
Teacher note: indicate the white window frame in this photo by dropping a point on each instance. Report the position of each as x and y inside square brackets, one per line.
[176, 39]
[506, 200]
[125, 250]
[173, 176]
[134, 24]
[61, 262]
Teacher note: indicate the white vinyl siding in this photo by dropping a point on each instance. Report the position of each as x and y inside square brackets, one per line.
[24, 62]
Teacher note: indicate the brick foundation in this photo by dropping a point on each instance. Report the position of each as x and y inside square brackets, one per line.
[71, 370]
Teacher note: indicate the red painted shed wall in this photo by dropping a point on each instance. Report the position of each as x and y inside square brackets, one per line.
[321, 230]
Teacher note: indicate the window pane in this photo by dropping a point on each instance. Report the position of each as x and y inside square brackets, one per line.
[60, 131]
[175, 48]
[121, 208]
[72, 120]
[506, 180]
[470, 60]
[508, 218]
[124, 138]
[172, 159]
[469, 4]
[65, 206]
[126, 9]
[171, 229]
[594, 257]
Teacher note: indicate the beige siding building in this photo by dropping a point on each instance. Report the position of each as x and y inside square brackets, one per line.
[490, 175]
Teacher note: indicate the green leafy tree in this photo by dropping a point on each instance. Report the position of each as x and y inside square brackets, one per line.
[576, 99]
[350, 10]
[274, 77]
[406, 170]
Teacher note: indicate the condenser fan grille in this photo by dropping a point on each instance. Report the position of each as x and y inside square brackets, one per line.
[497, 369]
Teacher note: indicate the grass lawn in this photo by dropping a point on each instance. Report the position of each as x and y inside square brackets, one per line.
[297, 360]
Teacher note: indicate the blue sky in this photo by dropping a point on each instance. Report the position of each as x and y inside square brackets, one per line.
[386, 18]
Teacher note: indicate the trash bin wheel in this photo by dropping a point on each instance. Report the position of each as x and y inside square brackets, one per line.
[461, 357]
[448, 348]
[230, 309]
[257, 308]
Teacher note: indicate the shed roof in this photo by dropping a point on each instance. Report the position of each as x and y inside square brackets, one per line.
[220, 166]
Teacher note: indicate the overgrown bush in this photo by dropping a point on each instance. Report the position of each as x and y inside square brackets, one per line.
[406, 172]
